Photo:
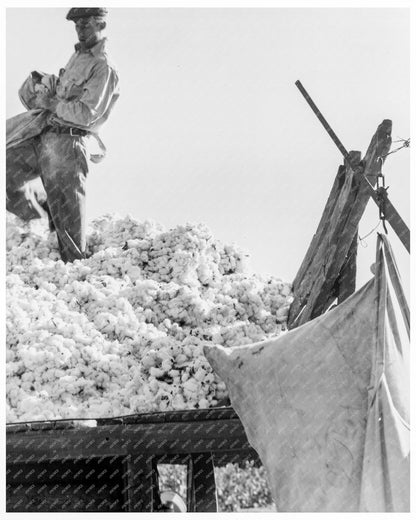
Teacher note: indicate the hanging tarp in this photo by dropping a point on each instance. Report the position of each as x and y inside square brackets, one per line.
[25, 193]
[24, 126]
[29, 124]
[385, 479]
[326, 405]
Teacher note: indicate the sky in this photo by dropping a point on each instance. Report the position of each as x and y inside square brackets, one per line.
[210, 127]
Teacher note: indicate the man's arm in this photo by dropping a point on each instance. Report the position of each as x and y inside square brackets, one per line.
[94, 102]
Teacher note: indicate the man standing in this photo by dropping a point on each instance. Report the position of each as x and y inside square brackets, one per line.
[81, 102]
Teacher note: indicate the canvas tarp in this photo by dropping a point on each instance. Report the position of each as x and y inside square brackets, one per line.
[29, 124]
[326, 405]
[25, 194]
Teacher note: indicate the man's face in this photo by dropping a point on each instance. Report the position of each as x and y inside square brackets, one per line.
[87, 29]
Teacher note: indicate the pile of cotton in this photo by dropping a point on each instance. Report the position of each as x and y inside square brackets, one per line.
[123, 331]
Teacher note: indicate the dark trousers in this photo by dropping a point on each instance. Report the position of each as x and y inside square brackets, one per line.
[61, 162]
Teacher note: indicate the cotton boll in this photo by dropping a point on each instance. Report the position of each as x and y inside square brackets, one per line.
[153, 386]
[30, 403]
[148, 360]
[123, 330]
[180, 360]
[282, 313]
[200, 374]
[156, 372]
[166, 365]
[203, 403]
[190, 386]
[178, 402]
[11, 416]
[137, 403]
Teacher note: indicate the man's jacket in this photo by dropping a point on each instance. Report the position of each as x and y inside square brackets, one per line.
[87, 90]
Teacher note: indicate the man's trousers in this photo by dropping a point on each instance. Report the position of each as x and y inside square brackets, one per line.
[61, 162]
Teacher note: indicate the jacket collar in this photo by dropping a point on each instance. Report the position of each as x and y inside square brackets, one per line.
[96, 49]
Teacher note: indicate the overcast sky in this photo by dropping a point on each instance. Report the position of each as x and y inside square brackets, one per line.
[210, 127]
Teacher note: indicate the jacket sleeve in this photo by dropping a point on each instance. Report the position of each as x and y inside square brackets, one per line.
[98, 92]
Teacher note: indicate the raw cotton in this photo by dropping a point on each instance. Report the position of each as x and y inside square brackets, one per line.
[123, 331]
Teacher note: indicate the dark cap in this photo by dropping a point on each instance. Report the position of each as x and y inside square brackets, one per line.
[86, 12]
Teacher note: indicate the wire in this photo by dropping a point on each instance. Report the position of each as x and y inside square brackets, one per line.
[406, 144]
[362, 239]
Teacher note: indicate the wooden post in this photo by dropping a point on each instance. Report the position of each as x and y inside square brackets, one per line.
[391, 215]
[140, 491]
[347, 277]
[389, 211]
[202, 495]
[317, 283]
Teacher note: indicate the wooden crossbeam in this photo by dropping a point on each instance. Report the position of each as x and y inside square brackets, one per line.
[330, 258]
[391, 215]
[380, 198]
[216, 435]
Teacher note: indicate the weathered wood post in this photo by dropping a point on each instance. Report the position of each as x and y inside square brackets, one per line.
[328, 269]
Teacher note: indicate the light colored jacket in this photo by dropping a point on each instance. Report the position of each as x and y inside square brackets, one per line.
[87, 88]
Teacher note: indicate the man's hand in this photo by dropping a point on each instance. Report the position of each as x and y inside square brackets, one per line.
[44, 100]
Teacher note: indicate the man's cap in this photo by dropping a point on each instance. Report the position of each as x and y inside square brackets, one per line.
[85, 12]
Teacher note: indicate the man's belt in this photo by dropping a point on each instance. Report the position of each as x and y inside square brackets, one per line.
[66, 130]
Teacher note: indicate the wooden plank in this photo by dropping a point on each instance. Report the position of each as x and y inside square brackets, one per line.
[321, 118]
[187, 416]
[392, 216]
[202, 494]
[192, 415]
[347, 279]
[313, 287]
[140, 484]
[120, 440]
[70, 497]
[89, 485]
[316, 282]
[323, 225]
[190, 492]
